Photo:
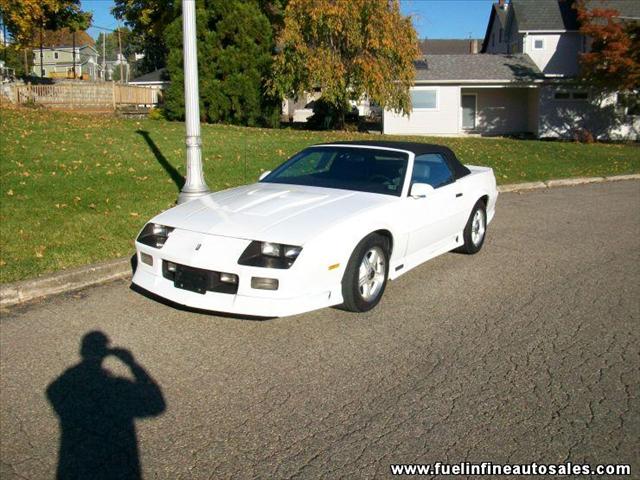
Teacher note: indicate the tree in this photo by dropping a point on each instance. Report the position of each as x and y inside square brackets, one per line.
[25, 19]
[347, 48]
[148, 21]
[11, 56]
[613, 62]
[235, 47]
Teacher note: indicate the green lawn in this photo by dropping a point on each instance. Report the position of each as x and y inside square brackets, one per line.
[75, 189]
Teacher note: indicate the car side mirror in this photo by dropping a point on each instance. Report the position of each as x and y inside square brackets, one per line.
[421, 190]
[264, 174]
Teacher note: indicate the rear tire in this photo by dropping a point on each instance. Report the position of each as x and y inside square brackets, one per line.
[365, 277]
[475, 231]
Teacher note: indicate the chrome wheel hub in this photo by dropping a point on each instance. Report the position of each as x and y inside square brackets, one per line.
[372, 273]
[478, 227]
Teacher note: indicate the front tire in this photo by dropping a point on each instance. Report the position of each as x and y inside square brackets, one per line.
[475, 230]
[365, 277]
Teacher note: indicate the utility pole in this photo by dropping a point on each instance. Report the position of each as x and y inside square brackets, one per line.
[104, 57]
[41, 49]
[120, 59]
[194, 186]
[73, 35]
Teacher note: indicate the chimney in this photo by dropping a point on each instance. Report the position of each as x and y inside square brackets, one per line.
[473, 46]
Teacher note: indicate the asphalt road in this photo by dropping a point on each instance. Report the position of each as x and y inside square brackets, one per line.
[526, 352]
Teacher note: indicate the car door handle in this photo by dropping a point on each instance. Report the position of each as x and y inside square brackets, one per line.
[458, 195]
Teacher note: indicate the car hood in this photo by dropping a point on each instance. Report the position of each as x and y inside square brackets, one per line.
[271, 212]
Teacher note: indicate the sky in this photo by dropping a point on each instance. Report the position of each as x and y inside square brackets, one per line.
[431, 18]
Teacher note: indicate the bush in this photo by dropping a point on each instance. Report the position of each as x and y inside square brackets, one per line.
[583, 135]
[156, 114]
[327, 116]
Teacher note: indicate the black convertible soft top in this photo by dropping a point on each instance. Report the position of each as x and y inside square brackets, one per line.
[417, 148]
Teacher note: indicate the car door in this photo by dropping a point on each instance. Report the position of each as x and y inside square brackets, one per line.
[435, 219]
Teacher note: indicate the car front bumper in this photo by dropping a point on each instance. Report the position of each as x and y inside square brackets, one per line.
[299, 290]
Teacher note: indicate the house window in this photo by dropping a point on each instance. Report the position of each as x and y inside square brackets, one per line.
[572, 95]
[424, 99]
[538, 44]
[55, 55]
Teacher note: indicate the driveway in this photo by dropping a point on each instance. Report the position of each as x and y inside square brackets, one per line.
[526, 352]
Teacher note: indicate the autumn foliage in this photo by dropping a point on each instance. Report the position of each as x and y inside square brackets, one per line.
[347, 48]
[613, 62]
[24, 18]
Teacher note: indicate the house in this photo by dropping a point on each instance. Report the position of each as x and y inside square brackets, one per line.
[462, 94]
[158, 81]
[112, 69]
[530, 46]
[56, 57]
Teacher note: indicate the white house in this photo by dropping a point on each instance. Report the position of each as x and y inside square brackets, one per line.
[523, 83]
[157, 81]
[471, 94]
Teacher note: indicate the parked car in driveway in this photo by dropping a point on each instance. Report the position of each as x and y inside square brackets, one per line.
[330, 226]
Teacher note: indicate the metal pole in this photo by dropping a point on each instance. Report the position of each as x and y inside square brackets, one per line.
[195, 185]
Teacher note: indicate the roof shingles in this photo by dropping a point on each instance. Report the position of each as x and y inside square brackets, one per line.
[489, 68]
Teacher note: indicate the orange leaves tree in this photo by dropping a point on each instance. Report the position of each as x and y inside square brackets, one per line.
[613, 62]
[347, 49]
[25, 18]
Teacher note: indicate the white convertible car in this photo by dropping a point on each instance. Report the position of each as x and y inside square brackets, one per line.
[328, 227]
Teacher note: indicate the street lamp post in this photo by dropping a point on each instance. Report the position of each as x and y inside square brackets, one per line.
[195, 185]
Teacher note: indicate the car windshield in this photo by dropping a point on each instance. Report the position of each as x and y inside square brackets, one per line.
[347, 168]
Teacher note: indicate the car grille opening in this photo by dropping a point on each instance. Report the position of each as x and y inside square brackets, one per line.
[197, 280]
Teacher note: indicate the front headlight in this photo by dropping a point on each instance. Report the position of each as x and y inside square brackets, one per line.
[269, 255]
[154, 235]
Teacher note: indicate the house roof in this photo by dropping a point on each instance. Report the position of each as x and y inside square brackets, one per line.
[544, 14]
[481, 68]
[446, 46]
[626, 8]
[159, 75]
[498, 14]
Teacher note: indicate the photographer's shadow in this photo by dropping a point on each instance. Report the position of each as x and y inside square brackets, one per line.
[97, 413]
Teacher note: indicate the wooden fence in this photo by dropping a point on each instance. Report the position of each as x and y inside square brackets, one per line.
[90, 96]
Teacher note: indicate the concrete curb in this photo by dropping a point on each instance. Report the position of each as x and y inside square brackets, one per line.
[64, 281]
[564, 182]
[81, 277]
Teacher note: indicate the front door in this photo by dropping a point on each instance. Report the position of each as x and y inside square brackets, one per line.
[469, 112]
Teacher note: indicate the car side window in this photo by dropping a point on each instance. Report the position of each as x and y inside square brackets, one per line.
[432, 169]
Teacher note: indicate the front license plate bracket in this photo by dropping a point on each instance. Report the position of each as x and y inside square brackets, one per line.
[194, 281]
